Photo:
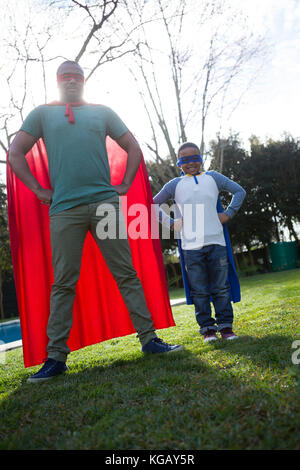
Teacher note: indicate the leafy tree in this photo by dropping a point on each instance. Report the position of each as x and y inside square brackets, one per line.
[270, 175]
[278, 163]
[254, 223]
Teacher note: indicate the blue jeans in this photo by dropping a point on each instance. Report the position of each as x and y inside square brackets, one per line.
[207, 271]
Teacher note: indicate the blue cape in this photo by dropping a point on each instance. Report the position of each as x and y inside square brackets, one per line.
[233, 280]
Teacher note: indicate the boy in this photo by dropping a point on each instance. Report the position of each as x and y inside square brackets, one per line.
[202, 238]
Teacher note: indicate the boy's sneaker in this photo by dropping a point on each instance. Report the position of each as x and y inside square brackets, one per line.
[50, 369]
[227, 333]
[210, 335]
[157, 345]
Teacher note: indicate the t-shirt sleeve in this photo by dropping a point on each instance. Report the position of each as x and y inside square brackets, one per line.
[33, 124]
[115, 127]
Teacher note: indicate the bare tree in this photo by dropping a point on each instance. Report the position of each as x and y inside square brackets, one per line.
[178, 81]
[145, 70]
[30, 48]
[106, 39]
[24, 57]
[202, 60]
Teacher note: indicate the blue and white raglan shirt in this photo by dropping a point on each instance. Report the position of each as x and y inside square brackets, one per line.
[196, 199]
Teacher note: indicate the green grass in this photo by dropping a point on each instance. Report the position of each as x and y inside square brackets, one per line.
[242, 394]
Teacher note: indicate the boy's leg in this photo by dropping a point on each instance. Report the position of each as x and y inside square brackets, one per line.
[198, 276]
[219, 286]
[68, 230]
[117, 255]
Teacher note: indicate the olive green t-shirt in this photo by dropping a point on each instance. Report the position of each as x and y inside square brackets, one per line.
[77, 156]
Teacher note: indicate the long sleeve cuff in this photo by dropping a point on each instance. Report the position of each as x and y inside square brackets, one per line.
[230, 212]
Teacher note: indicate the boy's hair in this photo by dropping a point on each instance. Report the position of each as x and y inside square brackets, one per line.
[186, 145]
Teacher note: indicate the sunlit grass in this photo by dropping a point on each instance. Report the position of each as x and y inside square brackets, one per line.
[242, 394]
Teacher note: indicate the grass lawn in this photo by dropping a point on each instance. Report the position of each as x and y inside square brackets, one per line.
[241, 394]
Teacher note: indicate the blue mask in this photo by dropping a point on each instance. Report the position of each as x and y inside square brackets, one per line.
[189, 159]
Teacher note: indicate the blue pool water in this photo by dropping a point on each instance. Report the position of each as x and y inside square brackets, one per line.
[10, 331]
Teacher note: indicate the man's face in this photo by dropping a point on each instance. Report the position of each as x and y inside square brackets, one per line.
[70, 83]
[191, 168]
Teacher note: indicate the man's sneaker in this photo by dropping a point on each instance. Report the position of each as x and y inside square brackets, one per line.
[157, 345]
[50, 369]
[227, 333]
[210, 335]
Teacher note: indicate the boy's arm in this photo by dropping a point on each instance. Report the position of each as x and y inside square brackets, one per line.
[167, 193]
[225, 184]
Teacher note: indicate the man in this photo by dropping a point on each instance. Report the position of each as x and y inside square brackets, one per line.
[74, 134]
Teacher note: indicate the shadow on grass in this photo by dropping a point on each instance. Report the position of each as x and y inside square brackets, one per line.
[173, 401]
[268, 351]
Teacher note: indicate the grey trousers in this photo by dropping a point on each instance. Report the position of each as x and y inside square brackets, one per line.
[68, 230]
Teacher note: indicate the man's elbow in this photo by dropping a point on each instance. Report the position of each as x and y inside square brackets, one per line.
[11, 157]
[134, 147]
[19, 147]
[14, 156]
[129, 143]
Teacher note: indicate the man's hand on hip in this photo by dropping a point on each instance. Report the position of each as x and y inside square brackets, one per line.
[44, 195]
[122, 188]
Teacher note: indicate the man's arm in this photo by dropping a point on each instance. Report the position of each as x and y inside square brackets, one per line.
[134, 155]
[20, 146]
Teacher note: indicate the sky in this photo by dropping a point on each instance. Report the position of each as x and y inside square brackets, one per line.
[271, 106]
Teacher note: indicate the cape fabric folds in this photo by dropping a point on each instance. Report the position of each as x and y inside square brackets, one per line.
[233, 280]
[99, 311]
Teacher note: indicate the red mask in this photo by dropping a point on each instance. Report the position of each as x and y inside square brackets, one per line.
[65, 77]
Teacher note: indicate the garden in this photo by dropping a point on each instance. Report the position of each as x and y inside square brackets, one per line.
[241, 394]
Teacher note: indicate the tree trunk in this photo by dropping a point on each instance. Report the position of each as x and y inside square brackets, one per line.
[174, 274]
[291, 229]
[250, 256]
[276, 228]
[267, 258]
[236, 262]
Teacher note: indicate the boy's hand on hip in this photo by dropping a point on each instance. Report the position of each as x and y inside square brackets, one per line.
[177, 226]
[223, 218]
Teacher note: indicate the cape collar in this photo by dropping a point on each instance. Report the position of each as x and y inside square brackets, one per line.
[69, 111]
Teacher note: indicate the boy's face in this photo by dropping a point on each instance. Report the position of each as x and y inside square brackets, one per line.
[191, 168]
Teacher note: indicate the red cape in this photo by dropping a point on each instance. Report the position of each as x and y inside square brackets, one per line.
[99, 310]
